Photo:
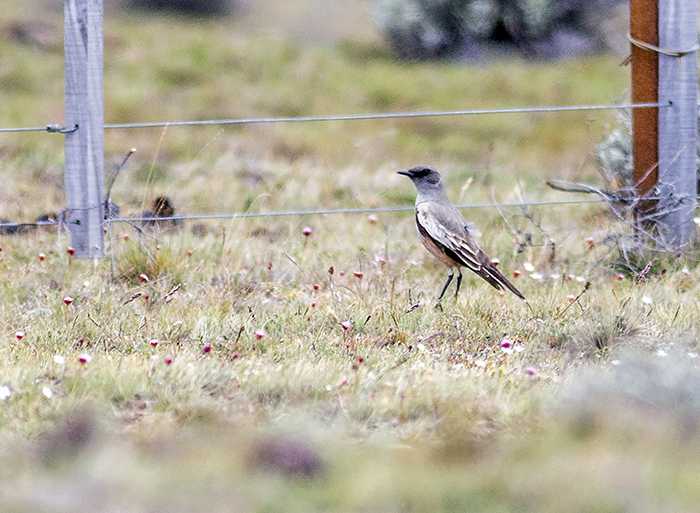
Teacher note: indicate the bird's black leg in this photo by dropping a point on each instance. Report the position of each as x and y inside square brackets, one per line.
[449, 279]
[459, 280]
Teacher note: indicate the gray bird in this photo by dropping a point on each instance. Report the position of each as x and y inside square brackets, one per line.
[446, 234]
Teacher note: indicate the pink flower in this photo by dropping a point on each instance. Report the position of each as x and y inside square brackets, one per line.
[42, 257]
[206, 349]
[530, 370]
[358, 274]
[306, 231]
[345, 325]
[259, 334]
[71, 250]
[372, 219]
[85, 358]
[67, 300]
[19, 335]
[507, 346]
[143, 278]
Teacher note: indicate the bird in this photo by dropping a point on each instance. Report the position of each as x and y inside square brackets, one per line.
[447, 235]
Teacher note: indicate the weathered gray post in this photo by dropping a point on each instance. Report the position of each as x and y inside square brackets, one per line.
[84, 167]
[678, 124]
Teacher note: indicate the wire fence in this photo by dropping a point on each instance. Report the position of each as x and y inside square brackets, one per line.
[53, 128]
[6, 227]
[300, 213]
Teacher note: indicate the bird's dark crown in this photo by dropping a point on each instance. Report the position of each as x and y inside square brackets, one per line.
[423, 173]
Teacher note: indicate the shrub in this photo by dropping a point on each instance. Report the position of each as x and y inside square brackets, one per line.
[615, 156]
[470, 28]
[193, 7]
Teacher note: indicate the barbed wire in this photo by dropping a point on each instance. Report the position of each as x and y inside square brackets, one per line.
[52, 128]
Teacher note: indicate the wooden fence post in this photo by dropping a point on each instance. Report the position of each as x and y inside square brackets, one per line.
[645, 78]
[84, 166]
[678, 124]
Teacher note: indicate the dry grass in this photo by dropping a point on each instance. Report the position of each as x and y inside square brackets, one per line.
[220, 351]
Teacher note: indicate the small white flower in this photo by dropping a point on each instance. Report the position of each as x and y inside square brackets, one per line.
[507, 350]
[5, 392]
[59, 359]
[518, 348]
[616, 362]
[693, 355]
[420, 346]
[580, 279]
[555, 276]
[48, 393]
[647, 300]
[529, 267]
[536, 276]
[661, 353]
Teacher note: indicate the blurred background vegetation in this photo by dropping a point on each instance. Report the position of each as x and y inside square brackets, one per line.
[265, 59]
[479, 29]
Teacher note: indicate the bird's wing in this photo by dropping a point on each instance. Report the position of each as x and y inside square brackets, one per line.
[447, 228]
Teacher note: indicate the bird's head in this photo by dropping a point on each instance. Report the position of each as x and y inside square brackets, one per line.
[423, 177]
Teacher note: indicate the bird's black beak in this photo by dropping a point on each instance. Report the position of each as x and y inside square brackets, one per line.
[405, 173]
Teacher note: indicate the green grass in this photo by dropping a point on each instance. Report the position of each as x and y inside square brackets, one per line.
[227, 380]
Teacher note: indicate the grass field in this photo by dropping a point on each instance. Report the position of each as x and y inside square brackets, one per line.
[261, 369]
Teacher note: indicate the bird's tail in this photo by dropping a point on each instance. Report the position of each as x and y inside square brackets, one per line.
[494, 277]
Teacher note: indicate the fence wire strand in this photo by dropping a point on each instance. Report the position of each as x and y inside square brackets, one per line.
[300, 213]
[52, 128]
